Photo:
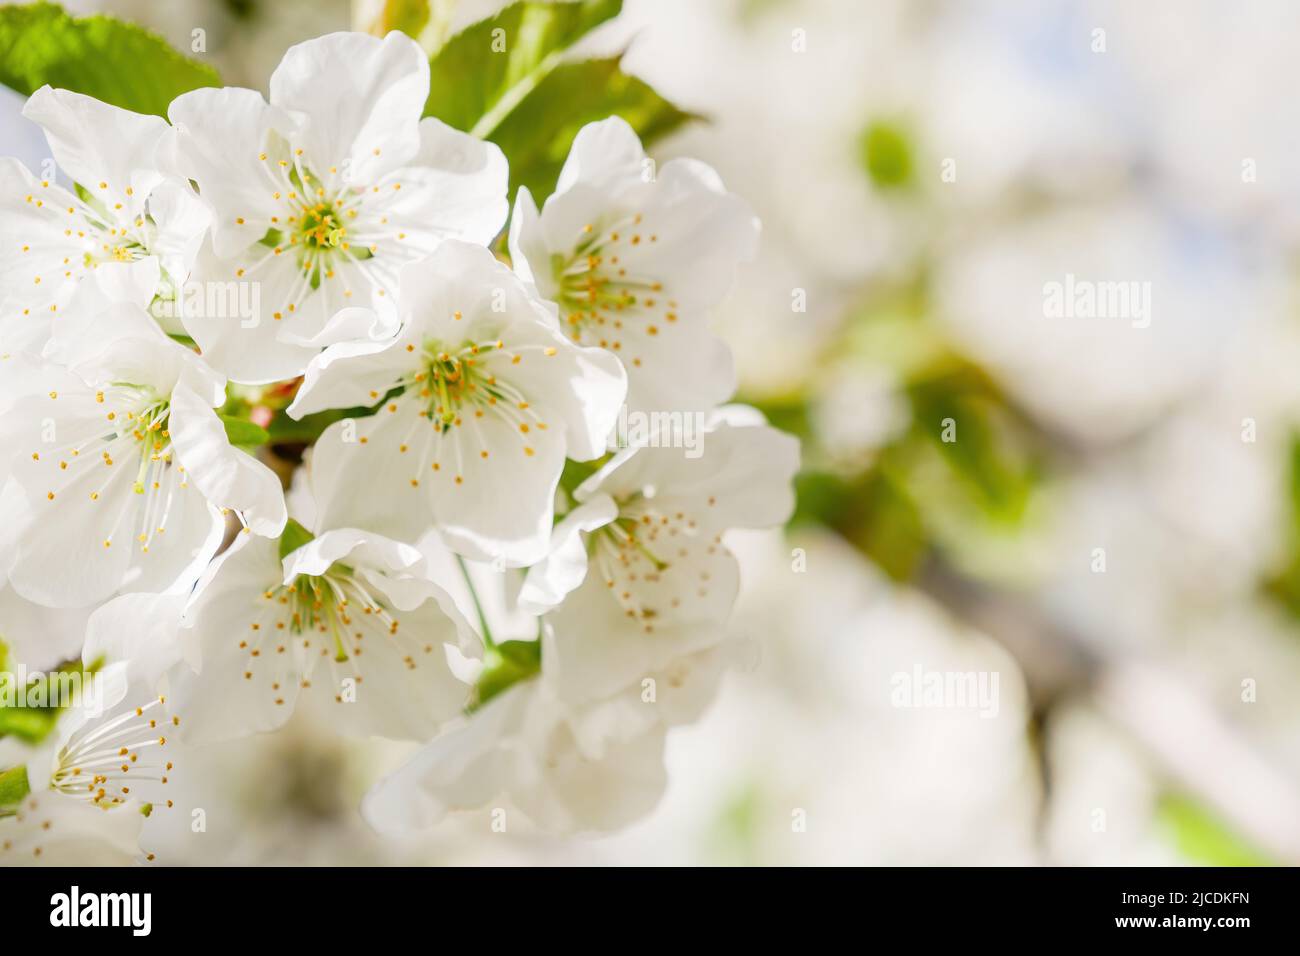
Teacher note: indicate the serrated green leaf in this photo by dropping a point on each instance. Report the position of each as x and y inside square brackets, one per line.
[117, 62]
[536, 137]
[240, 431]
[484, 72]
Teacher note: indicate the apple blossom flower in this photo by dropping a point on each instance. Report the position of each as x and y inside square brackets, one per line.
[348, 621]
[480, 398]
[636, 260]
[124, 466]
[593, 767]
[106, 764]
[650, 525]
[123, 213]
[322, 194]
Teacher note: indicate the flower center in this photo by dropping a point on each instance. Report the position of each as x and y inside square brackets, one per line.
[641, 557]
[320, 226]
[102, 761]
[603, 291]
[322, 604]
[452, 380]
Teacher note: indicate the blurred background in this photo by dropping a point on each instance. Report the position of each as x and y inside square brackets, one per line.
[1115, 530]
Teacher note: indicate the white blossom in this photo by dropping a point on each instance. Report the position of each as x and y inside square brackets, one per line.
[635, 260]
[321, 195]
[492, 399]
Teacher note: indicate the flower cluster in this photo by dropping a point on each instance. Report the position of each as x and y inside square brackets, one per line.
[476, 552]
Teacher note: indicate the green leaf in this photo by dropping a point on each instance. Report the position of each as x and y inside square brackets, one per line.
[13, 786]
[536, 137]
[409, 16]
[292, 538]
[117, 62]
[240, 431]
[485, 71]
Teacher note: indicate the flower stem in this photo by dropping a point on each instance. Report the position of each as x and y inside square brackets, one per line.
[478, 607]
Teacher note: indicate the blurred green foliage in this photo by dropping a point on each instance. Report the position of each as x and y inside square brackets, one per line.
[117, 62]
[918, 492]
[1203, 838]
[1283, 585]
[886, 154]
[31, 724]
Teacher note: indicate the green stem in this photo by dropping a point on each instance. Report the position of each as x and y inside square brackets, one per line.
[478, 607]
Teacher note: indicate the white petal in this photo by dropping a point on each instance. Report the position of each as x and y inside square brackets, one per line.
[39, 638]
[219, 135]
[463, 768]
[681, 369]
[227, 476]
[402, 683]
[574, 793]
[742, 477]
[232, 317]
[594, 649]
[351, 373]
[362, 547]
[608, 150]
[565, 566]
[98, 143]
[219, 702]
[455, 185]
[182, 220]
[363, 98]
[527, 243]
[52, 829]
[94, 320]
[580, 387]
[141, 630]
[367, 484]
[33, 284]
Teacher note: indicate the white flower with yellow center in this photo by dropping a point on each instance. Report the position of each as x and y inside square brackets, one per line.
[348, 623]
[480, 398]
[322, 194]
[125, 468]
[109, 759]
[123, 214]
[635, 260]
[640, 566]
